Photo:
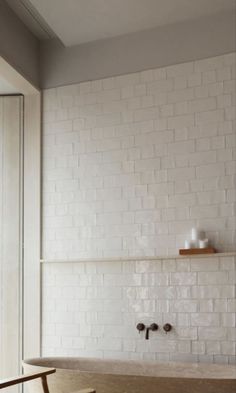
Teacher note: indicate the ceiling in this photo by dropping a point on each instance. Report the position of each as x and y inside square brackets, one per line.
[6, 87]
[31, 18]
[80, 21]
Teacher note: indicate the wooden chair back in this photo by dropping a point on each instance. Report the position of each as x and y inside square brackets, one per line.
[4, 383]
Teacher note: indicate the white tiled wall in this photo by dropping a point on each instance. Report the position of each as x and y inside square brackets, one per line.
[131, 163]
[92, 308]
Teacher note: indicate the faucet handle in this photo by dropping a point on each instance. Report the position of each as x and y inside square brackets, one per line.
[153, 327]
[140, 327]
[167, 327]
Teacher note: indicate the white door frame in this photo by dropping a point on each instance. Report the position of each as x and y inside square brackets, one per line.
[11, 117]
[32, 209]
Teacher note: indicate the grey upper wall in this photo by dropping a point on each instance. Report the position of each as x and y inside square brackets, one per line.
[18, 46]
[56, 65]
[173, 44]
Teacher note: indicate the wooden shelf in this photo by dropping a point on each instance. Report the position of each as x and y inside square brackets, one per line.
[137, 258]
[197, 251]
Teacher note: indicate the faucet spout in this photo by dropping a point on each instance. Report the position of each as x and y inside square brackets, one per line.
[147, 333]
[153, 327]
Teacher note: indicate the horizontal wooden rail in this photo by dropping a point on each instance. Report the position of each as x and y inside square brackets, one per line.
[4, 383]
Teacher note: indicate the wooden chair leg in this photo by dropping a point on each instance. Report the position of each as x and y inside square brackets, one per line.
[44, 384]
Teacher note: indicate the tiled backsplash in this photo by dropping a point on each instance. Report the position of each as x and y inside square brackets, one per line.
[131, 163]
[92, 308]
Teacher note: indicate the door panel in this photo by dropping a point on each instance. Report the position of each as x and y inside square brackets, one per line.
[11, 146]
